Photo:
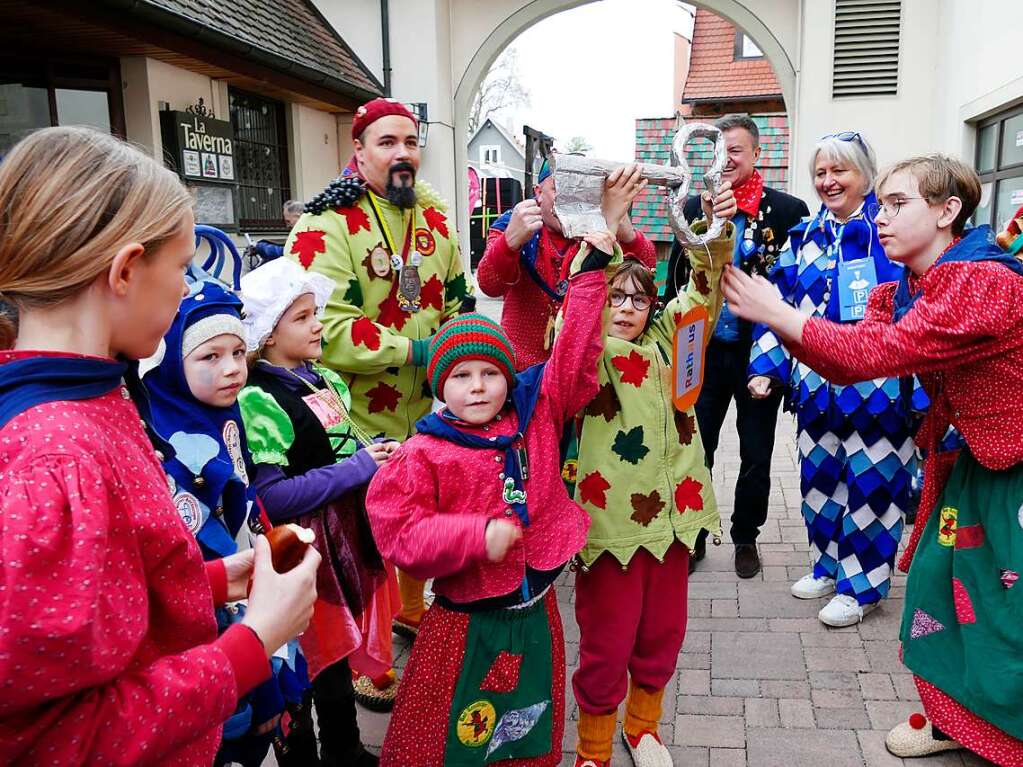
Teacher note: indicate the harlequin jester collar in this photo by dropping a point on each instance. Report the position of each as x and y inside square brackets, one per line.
[209, 468]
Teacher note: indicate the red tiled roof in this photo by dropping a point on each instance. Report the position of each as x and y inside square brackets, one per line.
[713, 71]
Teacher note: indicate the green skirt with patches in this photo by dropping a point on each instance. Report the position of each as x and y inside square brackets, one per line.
[962, 629]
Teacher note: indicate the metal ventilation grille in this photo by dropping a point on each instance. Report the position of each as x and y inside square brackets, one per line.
[866, 48]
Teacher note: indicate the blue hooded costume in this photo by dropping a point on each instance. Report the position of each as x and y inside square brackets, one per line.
[206, 458]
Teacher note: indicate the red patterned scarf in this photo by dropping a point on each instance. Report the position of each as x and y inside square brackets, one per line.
[748, 193]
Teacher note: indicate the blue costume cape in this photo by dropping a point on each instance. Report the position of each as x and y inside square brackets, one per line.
[977, 244]
[202, 467]
[25, 383]
[524, 396]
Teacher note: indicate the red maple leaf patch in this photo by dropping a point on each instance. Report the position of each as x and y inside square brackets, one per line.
[633, 368]
[436, 221]
[366, 333]
[307, 245]
[390, 312]
[383, 397]
[432, 294]
[593, 489]
[355, 217]
[687, 495]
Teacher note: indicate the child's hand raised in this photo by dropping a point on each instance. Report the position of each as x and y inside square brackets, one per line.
[501, 535]
[602, 248]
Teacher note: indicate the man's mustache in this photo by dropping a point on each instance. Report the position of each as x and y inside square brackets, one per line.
[402, 167]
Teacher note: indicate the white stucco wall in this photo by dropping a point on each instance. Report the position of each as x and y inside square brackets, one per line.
[315, 157]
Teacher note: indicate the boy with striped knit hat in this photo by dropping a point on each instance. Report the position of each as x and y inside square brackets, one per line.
[475, 500]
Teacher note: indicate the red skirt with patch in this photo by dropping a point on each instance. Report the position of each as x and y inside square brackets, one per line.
[418, 732]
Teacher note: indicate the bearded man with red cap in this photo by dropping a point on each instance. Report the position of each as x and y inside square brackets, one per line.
[384, 237]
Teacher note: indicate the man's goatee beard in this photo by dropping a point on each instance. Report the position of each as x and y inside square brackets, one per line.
[401, 196]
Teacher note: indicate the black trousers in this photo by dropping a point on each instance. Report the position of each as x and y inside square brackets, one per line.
[335, 711]
[725, 378]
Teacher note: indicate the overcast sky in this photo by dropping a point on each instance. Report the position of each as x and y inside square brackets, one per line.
[593, 70]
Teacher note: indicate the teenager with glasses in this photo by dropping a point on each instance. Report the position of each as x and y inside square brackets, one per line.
[762, 222]
[956, 319]
[855, 443]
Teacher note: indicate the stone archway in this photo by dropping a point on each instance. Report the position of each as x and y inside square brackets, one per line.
[479, 32]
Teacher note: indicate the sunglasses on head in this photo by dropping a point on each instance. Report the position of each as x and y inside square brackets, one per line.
[847, 135]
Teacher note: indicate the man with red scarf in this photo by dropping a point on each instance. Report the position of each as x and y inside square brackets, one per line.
[527, 258]
[762, 225]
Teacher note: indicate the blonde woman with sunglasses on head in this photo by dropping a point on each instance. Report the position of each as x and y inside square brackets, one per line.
[855, 442]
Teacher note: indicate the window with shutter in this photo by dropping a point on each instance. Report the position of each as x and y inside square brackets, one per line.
[867, 39]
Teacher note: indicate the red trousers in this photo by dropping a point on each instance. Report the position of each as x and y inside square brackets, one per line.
[631, 622]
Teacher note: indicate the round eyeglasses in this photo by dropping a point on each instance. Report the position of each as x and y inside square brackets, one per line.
[640, 301]
[891, 208]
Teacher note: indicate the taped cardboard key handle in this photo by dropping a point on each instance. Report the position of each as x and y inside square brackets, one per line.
[689, 353]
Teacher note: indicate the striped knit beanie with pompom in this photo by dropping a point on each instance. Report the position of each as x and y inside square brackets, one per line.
[469, 337]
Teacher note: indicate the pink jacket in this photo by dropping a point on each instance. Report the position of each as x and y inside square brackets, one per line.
[430, 504]
[108, 644]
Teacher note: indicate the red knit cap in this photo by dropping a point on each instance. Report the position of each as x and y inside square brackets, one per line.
[468, 337]
[373, 110]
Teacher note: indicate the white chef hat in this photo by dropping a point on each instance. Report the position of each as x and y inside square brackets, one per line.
[269, 290]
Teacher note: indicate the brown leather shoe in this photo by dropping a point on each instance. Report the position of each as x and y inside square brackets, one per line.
[747, 560]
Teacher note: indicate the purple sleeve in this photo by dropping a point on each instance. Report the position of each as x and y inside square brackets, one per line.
[285, 497]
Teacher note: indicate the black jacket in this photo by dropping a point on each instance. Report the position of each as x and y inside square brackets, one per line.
[778, 213]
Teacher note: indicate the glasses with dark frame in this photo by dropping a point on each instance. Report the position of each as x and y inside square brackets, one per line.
[640, 301]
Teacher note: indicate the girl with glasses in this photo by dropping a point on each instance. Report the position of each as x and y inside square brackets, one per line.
[644, 482]
[855, 442]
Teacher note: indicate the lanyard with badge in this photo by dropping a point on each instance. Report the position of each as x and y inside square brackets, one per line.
[405, 265]
[856, 278]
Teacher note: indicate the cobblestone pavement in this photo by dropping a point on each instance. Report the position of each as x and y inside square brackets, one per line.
[760, 681]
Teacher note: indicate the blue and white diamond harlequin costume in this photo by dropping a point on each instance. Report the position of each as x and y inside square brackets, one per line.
[855, 442]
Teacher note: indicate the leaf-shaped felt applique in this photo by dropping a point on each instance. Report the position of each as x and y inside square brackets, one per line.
[383, 397]
[605, 404]
[687, 495]
[353, 295]
[686, 426]
[646, 507]
[432, 293]
[628, 445]
[366, 333]
[436, 221]
[307, 245]
[390, 312]
[456, 288]
[633, 368]
[701, 283]
[355, 217]
[593, 489]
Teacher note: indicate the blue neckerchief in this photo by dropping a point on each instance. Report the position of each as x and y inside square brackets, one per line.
[25, 383]
[977, 244]
[524, 396]
[853, 240]
[527, 257]
[202, 466]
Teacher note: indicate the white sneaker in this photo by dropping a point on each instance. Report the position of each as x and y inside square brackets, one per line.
[809, 587]
[649, 752]
[843, 610]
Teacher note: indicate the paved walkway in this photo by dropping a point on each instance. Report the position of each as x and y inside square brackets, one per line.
[761, 682]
